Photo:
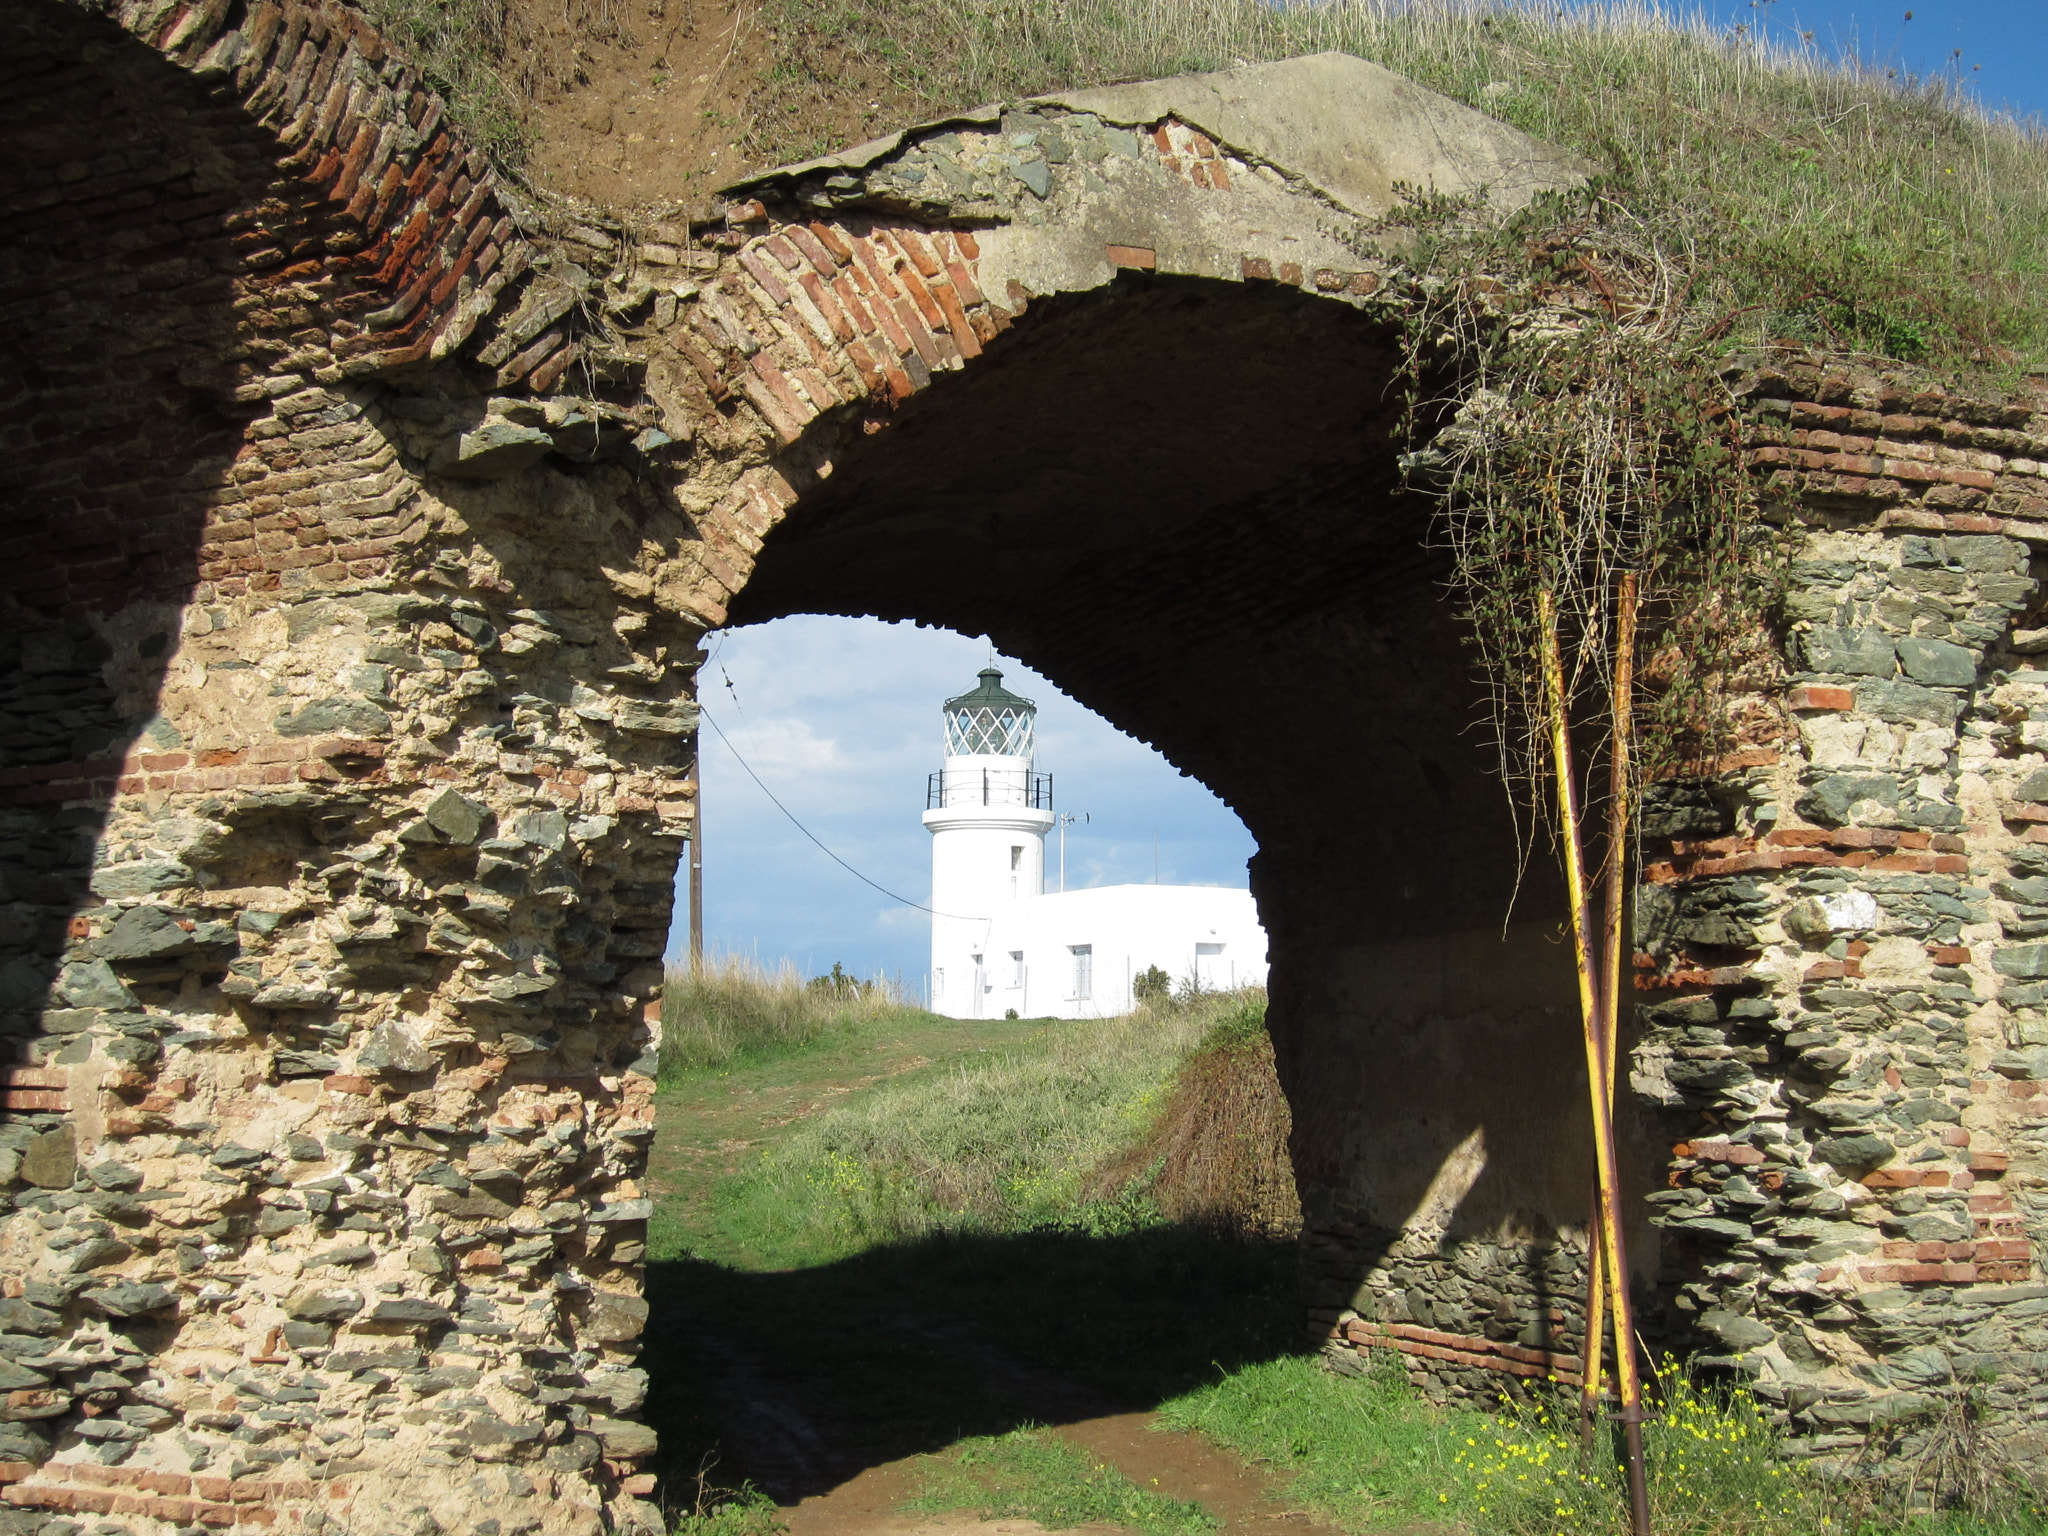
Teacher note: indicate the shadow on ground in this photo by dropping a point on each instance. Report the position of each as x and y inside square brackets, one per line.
[798, 1379]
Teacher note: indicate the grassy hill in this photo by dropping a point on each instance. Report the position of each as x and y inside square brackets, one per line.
[1793, 198]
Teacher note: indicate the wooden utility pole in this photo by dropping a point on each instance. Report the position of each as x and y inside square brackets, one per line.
[697, 854]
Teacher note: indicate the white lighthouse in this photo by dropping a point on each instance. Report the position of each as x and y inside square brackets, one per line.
[988, 813]
[1001, 943]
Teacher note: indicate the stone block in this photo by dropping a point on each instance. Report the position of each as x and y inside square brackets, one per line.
[1902, 702]
[455, 816]
[1937, 663]
[1856, 652]
[491, 452]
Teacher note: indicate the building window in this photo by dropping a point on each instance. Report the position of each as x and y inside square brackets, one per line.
[1016, 967]
[939, 983]
[1016, 859]
[1084, 970]
[1208, 949]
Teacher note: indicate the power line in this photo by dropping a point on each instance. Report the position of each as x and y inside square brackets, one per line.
[807, 832]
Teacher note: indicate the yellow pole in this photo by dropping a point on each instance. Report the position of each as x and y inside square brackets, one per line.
[1620, 811]
[1612, 1243]
[1594, 1362]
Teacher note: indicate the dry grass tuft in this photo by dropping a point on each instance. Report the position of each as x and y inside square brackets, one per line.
[736, 1008]
[1217, 1155]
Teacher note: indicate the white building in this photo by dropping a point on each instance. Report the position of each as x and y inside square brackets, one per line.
[1001, 941]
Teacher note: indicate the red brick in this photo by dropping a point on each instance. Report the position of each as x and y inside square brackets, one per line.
[956, 319]
[750, 258]
[1820, 696]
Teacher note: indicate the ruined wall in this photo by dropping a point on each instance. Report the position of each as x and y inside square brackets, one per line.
[364, 522]
[336, 844]
[1839, 988]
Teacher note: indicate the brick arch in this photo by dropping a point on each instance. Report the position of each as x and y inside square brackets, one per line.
[407, 229]
[1150, 445]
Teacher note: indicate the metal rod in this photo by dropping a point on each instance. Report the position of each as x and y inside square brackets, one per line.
[1612, 1241]
[1594, 1359]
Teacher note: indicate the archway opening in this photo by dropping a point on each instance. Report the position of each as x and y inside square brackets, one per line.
[1180, 501]
[822, 742]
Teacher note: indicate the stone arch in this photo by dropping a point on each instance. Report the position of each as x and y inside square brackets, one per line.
[1135, 417]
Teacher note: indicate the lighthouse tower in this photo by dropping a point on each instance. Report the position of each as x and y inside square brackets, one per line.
[988, 814]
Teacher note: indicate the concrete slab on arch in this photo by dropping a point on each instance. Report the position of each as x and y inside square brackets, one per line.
[1354, 130]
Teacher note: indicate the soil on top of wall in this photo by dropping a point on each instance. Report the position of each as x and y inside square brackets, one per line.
[655, 104]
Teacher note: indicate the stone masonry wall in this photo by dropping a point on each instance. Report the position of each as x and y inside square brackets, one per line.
[1840, 998]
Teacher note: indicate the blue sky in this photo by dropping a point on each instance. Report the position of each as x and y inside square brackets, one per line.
[2003, 43]
[840, 718]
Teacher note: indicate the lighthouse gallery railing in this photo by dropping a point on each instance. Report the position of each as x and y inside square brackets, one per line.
[959, 787]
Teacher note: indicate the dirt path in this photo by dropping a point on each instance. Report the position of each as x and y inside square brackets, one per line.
[830, 1386]
[1176, 1464]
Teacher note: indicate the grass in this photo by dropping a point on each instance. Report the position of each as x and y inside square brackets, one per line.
[1002, 1142]
[751, 1261]
[735, 1010]
[1806, 198]
[894, 1232]
[1028, 1474]
[1368, 1453]
[1801, 197]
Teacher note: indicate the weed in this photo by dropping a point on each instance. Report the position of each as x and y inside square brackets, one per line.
[1214, 1152]
[1029, 1474]
[1369, 1449]
[746, 1513]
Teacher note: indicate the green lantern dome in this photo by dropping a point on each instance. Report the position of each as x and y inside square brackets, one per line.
[989, 721]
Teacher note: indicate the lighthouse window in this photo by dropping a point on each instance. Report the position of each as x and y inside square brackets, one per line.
[1016, 858]
[1016, 967]
[1084, 970]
